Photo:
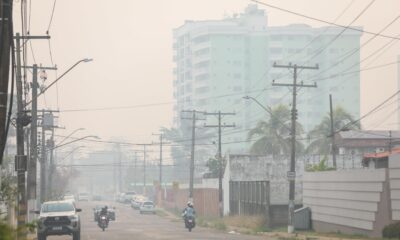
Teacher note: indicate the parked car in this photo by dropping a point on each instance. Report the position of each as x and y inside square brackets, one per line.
[58, 218]
[147, 207]
[83, 197]
[120, 197]
[97, 209]
[128, 196]
[70, 198]
[137, 201]
[96, 197]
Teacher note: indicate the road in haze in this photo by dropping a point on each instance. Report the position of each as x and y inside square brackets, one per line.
[130, 225]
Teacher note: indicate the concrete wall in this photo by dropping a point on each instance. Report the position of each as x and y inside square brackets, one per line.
[354, 201]
[394, 178]
[205, 201]
[266, 168]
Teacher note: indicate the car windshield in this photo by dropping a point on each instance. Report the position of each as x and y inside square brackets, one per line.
[57, 207]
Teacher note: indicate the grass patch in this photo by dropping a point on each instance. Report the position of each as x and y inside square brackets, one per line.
[253, 224]
[161, 213]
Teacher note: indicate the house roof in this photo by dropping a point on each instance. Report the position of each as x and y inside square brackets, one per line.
[369, 134]
[381, 154]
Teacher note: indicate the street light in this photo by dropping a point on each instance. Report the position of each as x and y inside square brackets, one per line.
[85, 60]
[292, 170]
[76, 140]
[79, 129]
[72, 152]
[266, 109]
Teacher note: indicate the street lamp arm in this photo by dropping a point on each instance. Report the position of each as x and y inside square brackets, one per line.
[62, 75]
[266, 109]
[76, 140]
[255, 100]
[70, 135]
[70, 153]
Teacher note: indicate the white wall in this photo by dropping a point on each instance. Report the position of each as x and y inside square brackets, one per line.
[348, 198]
[394, 178]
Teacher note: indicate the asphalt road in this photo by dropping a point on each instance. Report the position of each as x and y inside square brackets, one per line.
[130, 224]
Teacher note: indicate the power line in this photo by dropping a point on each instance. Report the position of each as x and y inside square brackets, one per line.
[51, 17]
[322, 49]
[351, 53]
[324, 21]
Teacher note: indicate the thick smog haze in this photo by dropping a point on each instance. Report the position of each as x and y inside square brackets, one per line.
[131, 44]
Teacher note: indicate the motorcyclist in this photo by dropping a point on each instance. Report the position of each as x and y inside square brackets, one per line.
[189, 212]
[104, 212]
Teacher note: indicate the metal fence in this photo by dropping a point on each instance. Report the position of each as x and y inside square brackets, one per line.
[249, 197]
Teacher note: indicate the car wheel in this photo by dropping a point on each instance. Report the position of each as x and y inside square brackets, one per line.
[76, 236]
[41, 236]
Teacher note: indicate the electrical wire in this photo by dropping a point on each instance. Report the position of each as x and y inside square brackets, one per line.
[368, 113]
[51, 17]
[323, 21]
[322, 49]
[351, 53]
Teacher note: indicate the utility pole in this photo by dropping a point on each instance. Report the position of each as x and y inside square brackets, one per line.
[47, 124]
[161, 146]
[52, 168]
[32, 166]
[119, 169]
[21, 158]
[220, 160]
[191, 169]
[43, 163]
[144, 166]
[22, 121]
[5, 46]
[135, 172]
[332, 132]
[292, 172]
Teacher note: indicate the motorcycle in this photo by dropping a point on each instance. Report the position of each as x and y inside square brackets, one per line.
[103, 222]
[189, 223]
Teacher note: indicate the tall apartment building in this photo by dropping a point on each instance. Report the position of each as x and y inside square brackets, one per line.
[218, 62]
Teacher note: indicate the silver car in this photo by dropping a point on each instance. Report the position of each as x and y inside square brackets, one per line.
[147, 207]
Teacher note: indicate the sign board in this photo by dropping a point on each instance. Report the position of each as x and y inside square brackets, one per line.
[291, 175]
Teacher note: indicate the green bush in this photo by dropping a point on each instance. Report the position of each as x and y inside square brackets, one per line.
[392, 230]
[6, 232]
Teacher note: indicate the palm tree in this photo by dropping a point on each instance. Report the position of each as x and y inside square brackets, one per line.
[322, 132]
[273, 136]
[180, 151]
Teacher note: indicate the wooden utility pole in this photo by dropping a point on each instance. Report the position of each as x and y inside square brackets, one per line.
[20, 158]
[220, 160]
[5, 49]
[144, 165]
[191, 168]
[332, 132]
[22, 121]
[292, 171]
[161, 155]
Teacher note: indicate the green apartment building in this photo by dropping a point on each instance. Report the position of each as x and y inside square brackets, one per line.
[218, 62]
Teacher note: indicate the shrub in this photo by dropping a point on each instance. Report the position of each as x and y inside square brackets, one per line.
[391, 230]
[6, 232]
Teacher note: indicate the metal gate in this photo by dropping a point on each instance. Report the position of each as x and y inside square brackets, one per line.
[249, 197]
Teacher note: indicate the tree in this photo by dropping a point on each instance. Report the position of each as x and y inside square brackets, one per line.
[322, 132]
[180, 151]
[273, 136]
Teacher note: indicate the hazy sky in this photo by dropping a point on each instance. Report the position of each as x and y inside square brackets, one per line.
[131, 44]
